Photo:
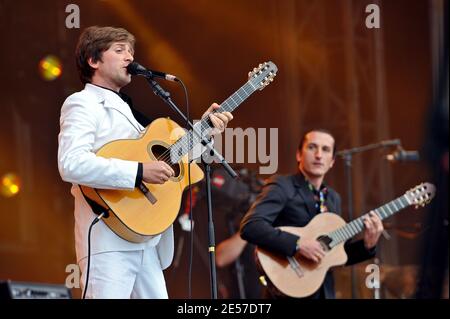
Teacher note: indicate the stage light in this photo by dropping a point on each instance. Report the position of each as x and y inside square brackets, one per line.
[50, 67]
[10, 185]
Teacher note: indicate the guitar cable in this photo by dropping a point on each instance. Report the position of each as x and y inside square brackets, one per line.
[101, 212]
[95, 221]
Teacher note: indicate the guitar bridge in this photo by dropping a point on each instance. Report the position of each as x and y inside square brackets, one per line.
[144, 189]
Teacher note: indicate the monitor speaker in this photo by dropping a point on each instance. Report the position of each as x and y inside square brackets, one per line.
[26, 290]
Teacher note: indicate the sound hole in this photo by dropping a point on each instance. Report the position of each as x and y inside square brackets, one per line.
[161, 153]
[325, 242]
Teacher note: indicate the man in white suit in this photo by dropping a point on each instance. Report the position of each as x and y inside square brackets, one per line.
[89, 119]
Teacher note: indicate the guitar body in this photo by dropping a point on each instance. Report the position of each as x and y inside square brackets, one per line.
[285, 278]
[134, 215]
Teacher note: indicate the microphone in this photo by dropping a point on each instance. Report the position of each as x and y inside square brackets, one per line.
[395, 142]
[135, 68]
[403, 156]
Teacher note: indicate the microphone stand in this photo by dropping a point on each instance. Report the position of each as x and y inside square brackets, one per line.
[347, 155]
[165, 96]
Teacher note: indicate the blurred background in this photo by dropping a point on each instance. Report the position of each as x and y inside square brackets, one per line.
[366, 85]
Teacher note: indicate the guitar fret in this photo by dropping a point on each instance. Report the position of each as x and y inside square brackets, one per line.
[385, 215]
[253, 87]
[232, 99]
[358, 227]
[347, 234]
[395, 206]
[379, 213]
[341, 235]
[400, 203]
[352, 229]
[344, 235]
[226, 107]
[247, 90]
[389, 209]
[338, 235]
[361, 223]
[402, 199]
[336, 238]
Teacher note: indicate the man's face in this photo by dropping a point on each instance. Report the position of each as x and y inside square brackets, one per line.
[111, 71]
[316, 156]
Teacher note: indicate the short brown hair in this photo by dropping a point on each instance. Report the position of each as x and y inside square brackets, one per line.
[93, 42]
[320, 130]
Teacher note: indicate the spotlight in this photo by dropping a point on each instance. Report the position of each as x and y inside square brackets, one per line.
[50, 68]
[10, 185]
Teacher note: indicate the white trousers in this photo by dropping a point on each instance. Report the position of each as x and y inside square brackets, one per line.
[133, 274]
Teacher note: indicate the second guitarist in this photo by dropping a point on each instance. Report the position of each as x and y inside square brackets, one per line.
[294, 200]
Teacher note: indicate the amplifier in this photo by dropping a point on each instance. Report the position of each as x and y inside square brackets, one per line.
[26, 290]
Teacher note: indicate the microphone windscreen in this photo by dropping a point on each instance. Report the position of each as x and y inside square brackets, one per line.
[135, 68]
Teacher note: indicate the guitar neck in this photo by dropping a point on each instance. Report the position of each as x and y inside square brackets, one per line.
[230, 104]
[188, 141]
[356, 226]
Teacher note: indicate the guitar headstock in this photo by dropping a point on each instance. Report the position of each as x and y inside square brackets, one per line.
[263, 75]
[421, 195]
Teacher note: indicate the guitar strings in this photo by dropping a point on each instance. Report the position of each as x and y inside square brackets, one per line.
[165, 156]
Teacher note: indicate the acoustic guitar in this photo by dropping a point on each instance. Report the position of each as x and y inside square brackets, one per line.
[149, 209]
[300, 277]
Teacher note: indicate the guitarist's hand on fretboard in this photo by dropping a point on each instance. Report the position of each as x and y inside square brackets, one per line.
[310, 249]
[218, 119]
[373, 229]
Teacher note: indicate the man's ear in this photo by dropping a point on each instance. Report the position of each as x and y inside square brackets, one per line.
[332, 163]
[93, 64]
[298, 155]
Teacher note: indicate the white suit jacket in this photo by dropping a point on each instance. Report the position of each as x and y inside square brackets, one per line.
[89, 119]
